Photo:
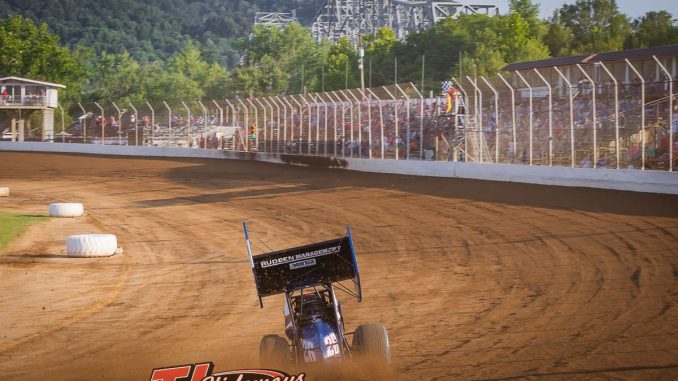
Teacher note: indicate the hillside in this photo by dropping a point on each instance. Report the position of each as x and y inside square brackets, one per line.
[154, 29]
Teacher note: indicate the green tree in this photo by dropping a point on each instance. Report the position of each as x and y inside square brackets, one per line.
[654, 29]
[380, 55]
[299, 55]
[264, 78]
[529, 12]
[280, 60]
[558, 37]
[212, 79]
[31, 51]
[342, 60]
[117, 77]
[596, 25]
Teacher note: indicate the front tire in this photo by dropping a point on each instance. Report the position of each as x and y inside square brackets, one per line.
[274, 352]
[370, 342]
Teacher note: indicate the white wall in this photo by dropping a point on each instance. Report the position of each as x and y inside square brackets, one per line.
[624, 179]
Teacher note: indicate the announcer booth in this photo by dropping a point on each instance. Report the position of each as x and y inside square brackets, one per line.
[26, 97]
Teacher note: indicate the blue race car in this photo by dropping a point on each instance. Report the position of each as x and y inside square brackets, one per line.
[308, 277]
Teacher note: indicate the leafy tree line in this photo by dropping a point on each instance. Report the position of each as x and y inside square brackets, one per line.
[153, 29]
[477, 44]
[278, 61]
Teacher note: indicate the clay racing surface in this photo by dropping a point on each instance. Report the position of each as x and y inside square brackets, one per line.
[474, 280]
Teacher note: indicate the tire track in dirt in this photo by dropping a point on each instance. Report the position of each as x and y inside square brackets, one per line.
[468, 286]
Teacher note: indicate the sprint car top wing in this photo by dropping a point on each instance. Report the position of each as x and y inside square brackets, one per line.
[304, 266]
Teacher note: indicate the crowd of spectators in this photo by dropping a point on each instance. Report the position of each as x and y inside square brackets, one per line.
[402, 129]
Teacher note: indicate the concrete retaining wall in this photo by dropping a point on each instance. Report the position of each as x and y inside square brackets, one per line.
[624, 179]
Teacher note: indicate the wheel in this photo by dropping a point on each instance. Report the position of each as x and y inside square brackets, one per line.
[91, 245]
[274, 352]
[66, 209]
[370, 343]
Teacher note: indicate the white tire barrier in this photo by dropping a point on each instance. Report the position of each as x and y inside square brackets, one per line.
[4, 191]
[66, 209]
[92, 245]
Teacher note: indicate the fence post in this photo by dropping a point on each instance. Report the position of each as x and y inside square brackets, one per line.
[496, 118]
[84, 124]
[548, 85]
[233, 114]
[188, 123]
[233, 122]
[262, 102]
[152, 123]
[343, 124]
[369, 122]
[381, 120]
[247, 125]
[479, 116]
[268, 136]
[277, 125]
[642, 111]
[322, 100]
[221, 112]
[291, 119]
[595, 119]
[326, 124]
[334, 110]
[316, 98]
[571, 96]
[668, 76]
[407, 105]
[531, 110]
[204, 114]
[421, 120]
[136, 124]
[63, 125]
[395, 106]
[338, 103]
[616, 110]
[120, 114]
[284, 120]
[310, 117]
[466, 113]
[360, 134]
[513, 115]
[169, 123]
[256, 123]
[103, 123]
[301, 121]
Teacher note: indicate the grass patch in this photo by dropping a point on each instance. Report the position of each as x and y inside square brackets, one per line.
[12, 225]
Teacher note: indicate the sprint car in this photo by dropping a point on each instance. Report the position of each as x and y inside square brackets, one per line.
[309, 277]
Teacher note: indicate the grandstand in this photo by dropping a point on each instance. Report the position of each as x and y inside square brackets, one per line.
[610, 110]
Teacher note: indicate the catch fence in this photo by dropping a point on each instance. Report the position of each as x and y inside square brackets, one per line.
[597, 113]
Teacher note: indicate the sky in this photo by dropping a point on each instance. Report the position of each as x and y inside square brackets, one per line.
[632, 8]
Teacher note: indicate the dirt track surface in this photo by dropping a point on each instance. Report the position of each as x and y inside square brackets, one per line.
[474, 280]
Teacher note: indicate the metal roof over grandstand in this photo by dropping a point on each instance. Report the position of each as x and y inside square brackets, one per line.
[645, 53]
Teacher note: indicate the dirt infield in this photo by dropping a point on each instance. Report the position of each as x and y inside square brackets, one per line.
[474, 280]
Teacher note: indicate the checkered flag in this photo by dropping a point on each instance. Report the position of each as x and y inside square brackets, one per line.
[445, 87]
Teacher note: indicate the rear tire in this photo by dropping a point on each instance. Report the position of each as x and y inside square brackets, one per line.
[274, 352]
[370, 342]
